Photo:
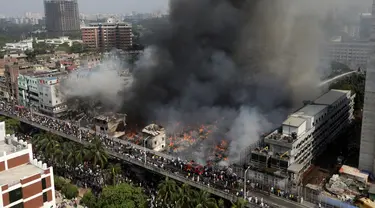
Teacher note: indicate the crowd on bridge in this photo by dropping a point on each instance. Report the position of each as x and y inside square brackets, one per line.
[221, 180]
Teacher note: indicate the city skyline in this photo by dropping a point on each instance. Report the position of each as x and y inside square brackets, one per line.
[88, 6]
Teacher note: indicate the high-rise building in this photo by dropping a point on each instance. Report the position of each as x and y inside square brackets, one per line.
[305, 134]
[107, 36]
[62, 17]
[365, 25]
[24, 181]
[367, 148]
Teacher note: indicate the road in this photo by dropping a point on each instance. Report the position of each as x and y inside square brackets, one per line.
[175, 174]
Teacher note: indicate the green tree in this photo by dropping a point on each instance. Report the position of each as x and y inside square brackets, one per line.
[240, 203]
[204, 200]
[221, 203]
[167, 192]
[114, 170]
[185, 197]
[122, 195]
[70, 191]
[355, 83]
[11, 125]
[78, 48]
[59, 182]
[97, 154]
[49, 144]
[64, 47]
[89, 200]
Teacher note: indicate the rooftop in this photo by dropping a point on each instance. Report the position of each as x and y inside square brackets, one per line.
[330, 97]
[15, 174]
[11, 145]
[310, 110]
[294, 121]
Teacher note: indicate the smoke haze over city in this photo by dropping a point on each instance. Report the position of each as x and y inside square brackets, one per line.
[240, 64]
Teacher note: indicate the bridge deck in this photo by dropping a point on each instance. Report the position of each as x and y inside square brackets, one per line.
[270, 199]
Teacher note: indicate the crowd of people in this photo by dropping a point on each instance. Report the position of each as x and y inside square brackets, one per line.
[220, 179]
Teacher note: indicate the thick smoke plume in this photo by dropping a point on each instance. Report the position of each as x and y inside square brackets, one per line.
[241, 64]
[101, 84]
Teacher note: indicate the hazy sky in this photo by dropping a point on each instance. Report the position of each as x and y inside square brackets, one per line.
[19, 7]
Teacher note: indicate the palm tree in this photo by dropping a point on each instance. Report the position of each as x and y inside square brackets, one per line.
[71, 151]
[97, 153]
[185, 195]
[114, 170]
[221, 203]
[80, 155]
[49, 144]
[240, 203]
[167, 191]
[204, 200]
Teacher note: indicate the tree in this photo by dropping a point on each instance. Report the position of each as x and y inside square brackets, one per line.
[11, 125]
[167, 191]
[221, 203]
[204, 200]
[97, 154]
[114, 170]
[89, 200]
[122, 195]
[185, 197]
[63, 47]
[78, 48]
[240, 203]
[70, 191]
[355, 83]
[59, 182]
[49, 144]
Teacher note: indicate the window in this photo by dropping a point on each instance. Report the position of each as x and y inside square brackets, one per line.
[45, 197]
[15, 195]
[44, 184]
[19, 205]
[49, 101]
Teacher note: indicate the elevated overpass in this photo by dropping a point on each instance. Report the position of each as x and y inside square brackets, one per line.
[272, 200]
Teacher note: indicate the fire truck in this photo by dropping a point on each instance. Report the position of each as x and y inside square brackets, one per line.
[194, 167]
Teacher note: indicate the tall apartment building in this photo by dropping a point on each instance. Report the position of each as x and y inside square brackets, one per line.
[367, 148]
[25, 182]
[305, 134]
[62, 17]
[107, 36]
[365, 25]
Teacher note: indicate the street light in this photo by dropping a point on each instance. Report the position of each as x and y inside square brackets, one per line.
[244, 184]
[144, 147]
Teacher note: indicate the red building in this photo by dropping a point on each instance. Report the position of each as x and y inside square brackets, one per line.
[107, 36]
[24, 181]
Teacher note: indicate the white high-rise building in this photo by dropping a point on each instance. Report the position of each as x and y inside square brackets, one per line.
[367, 149]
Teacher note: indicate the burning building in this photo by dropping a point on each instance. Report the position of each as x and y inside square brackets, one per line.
[113, 125]
[154, 137]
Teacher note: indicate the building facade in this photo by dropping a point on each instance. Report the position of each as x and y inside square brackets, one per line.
[365, 25]
[154, 137]
[24, 181]
[40, 90]
[305, 134]
[354, 53]
[107, 36]
[62, 17]
[367, 147]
